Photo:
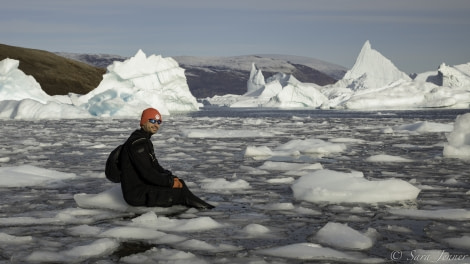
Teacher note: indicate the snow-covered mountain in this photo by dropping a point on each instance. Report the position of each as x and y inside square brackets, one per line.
[97, 60]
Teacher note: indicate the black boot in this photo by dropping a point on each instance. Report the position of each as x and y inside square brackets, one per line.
[192, 200]
[196, 202]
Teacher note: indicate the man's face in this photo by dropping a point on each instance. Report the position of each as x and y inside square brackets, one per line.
[151, 127]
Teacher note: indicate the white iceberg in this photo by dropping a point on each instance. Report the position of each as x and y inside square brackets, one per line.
[16, 85]
[371, 70]
[458, 145]
[138, 83]
[126, 89]
[374, 82]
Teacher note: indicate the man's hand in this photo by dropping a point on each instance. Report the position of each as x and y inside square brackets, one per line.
[176, 183]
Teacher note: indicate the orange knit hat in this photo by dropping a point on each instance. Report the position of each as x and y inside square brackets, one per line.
[150, 113]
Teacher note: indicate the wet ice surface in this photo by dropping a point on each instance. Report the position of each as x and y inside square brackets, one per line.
[253, 219]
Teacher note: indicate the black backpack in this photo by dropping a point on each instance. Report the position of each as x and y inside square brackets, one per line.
[113, 168]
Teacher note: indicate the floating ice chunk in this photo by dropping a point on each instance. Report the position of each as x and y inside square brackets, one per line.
[256, 229]
[459, 242]
[80, 215]
[9, 239]
[223, 184]
[195, 244]
[386, 158]
[310, 251]
[150, 220]
[289, 166]
[84, 230]
[66, 216]
[425, 127]
[141, 233]
[342, 236]
[97, 248]
[340, 187]
[399, 229]
[281, 180]
[280, 206]
[387, 130]
[27, 175]
[345, 140]
[442, 214]
[158, 255]
[458, 145]
[253, 171]
[221, 133]
[307, 211]
[130, 232]
[109, 199]
[251, 151]
[312, 146]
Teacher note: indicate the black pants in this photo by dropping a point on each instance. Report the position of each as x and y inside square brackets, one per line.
[154, 196]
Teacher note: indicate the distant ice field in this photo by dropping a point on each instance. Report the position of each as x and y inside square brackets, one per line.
[246, 162]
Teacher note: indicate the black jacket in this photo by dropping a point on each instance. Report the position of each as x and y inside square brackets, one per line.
[141, 172]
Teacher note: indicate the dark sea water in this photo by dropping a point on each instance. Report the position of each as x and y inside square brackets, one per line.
[81, 147]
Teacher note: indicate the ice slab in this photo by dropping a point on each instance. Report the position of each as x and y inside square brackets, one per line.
[310, 251]
[113, 199]
[341, 187]
[28, 175]
[439, 214]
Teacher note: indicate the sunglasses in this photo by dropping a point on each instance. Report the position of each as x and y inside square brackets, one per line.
[153, 121]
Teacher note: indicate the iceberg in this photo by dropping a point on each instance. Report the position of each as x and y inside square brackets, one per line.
[279, 91]
[371, 70]
[256, 80]
[16, 85]
[126, 89]
[455, 77]
[373, 83]
[138, 83]
[458, 145]
[295, 94]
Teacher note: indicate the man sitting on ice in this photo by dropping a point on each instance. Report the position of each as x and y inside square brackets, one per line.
[143, 181]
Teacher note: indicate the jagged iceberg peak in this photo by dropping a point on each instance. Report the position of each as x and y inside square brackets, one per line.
[456, 76]
[141, 65]
[371, 70]
[256, 80]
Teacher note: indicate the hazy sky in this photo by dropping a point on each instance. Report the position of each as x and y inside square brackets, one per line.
[416, 35]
